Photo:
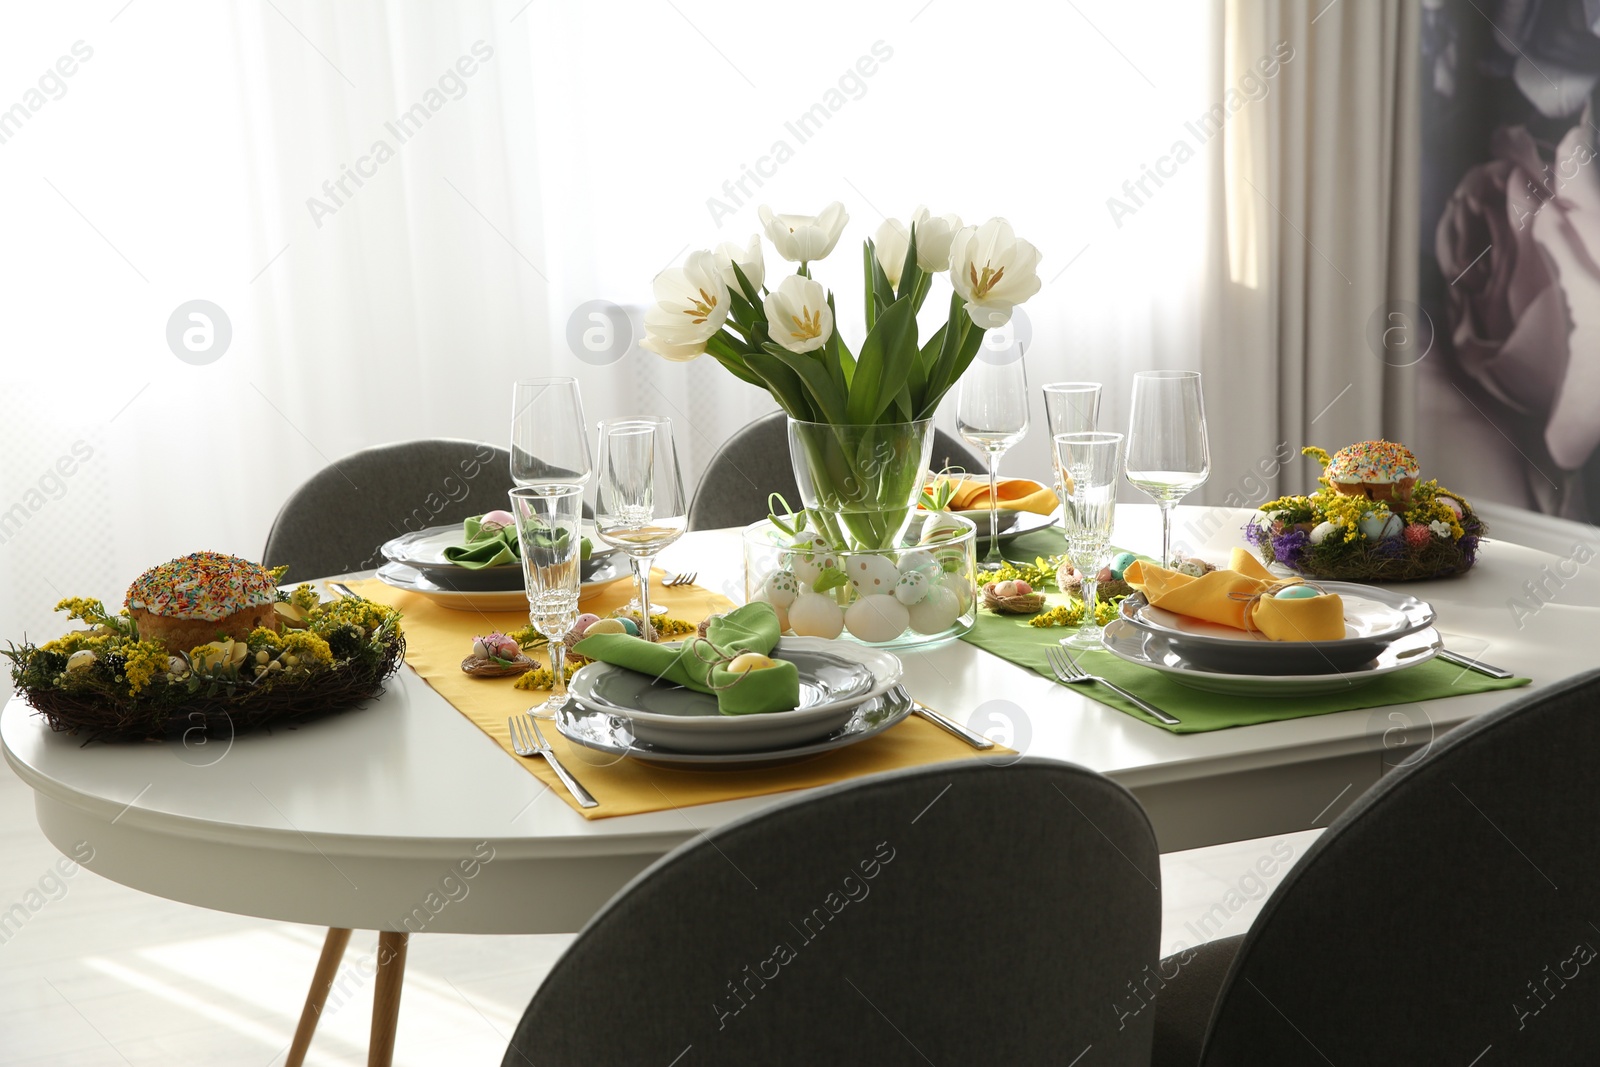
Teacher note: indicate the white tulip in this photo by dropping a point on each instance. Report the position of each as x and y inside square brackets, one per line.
[934, 236]
[750, 260]
[804, 238]
[798, 315]
[691, 306]
[993, 270]
[890, 244]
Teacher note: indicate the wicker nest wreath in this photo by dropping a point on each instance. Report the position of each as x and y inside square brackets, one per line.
[1372, 521]
[114, 680]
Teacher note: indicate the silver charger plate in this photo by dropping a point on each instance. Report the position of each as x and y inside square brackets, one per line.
[1374, 619]
[400, 576]
[835, 677]
[423, 552]
[1146, 649]
[608, 733]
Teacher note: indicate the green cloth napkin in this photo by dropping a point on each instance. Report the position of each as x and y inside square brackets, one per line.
[752, 628]
[1011, 638]
[491, 546]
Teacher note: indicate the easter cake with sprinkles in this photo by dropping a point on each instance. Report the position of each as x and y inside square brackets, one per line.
[1372, 520]
[203, 597]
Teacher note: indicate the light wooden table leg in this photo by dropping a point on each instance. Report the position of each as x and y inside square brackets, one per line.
[321, 982]
[386, 996]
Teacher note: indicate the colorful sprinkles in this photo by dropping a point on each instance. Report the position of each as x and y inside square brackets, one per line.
[1373, 462]
[205, 585]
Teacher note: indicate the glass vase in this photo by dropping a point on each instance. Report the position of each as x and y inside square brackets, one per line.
[861, 483]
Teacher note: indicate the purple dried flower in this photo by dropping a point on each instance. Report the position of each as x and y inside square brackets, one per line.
[1288, 548]
[1389, 548]
[1254, 534]
[1469, 548]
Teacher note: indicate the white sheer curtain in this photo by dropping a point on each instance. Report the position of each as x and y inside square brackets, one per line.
[575, 160]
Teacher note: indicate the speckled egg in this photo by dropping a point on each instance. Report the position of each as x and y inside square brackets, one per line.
[877, 618]
[810, 557]
[1296, 592]
[630, 626]
[936, 612]
[871, 574]
[1376, 526]
[1121, 562]
[781, 588]
[816, 615]
[605, 626]
[911, 587]
[1192, 567]
[1321, 532]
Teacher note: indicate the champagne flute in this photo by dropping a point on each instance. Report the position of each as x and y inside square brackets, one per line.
[549, 440]
[1167, 452]
[641, 507]
[1090, 463]
[550, 531]
[992, 415]
[1071, 407]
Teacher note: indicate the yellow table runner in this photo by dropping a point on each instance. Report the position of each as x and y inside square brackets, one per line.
[438, 638]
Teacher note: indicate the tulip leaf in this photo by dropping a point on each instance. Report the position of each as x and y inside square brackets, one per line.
[722, 349]
[749, 292]
[880, 369]
[911, 275]
[784, 384]
[828, 400]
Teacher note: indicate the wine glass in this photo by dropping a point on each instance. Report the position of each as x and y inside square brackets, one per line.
[549, 440]
[1071, 407]
[550, 532]
[992, 415]
[641, 507]
[1089, 463]
[1167, 452]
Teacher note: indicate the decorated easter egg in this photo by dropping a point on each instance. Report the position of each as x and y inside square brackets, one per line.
[877, 618]
[1120, 563]
[911, 587]
[81, 660]
[605, 626]
[1010, 588]
[582, 623]
[501, 519]
[1321, 532]
[816, 615]
[810, 558]
[936, 613]
[939, 526]
[1296, 592]
[750, 661]
[1194, 568]
[1452, 503]
[1376, 526]
[871, 574]
[917, 560]
[961, 586]
[781, 588]
[630, 626]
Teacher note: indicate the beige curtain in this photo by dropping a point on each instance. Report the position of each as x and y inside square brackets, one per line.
[1314, 246]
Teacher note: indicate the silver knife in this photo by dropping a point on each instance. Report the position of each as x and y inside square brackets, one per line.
[343, 590]
[1475, 665]
[971, 737]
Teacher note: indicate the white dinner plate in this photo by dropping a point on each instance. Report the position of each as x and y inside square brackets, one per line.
[1146, 649]
[1374, 618]
[605, 732]
[835, 677]
[400, 576]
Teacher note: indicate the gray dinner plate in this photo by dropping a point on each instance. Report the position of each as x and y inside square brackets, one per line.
[1152, 650]
[835, 676]
[423, 552]
[1375, 618]
[1013, 524]
[604, 732]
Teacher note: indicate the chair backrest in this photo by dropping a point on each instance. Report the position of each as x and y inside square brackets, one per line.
[967, 912]
[754, 463]
[336, 521]
[1451, 909]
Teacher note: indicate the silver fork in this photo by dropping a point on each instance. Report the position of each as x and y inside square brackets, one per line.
[528, 740]
[686, 578]
[1066, 670]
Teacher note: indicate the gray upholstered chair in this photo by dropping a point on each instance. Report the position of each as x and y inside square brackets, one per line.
[960, 913]
[336, 521]
[1451, 909]
[754, 463]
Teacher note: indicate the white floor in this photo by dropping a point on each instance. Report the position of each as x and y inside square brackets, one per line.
[105, 975]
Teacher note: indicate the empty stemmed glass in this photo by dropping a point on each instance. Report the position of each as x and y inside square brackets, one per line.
[992, 415]
[1071, 407]
[549, 440]
[1089, 463]
[1168, 456]
[550, 532]
[641, 506]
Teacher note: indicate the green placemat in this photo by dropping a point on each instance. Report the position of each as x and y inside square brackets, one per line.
[1010, 637]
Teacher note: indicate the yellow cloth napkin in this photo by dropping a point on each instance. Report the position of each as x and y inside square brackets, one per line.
[438, 638]
[1210, 597]
[1018, 494]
